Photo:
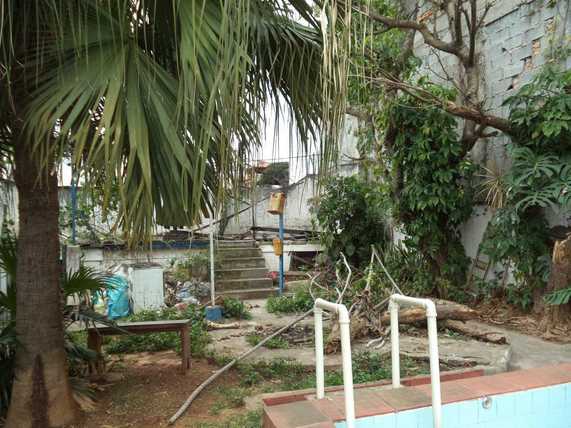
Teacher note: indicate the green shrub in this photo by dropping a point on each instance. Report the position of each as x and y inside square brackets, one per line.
[300, 301]
[351, 215]
[234, 308]
[162, 341]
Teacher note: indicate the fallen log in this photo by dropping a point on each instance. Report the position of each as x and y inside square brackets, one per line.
[476, 330]
[445, 309]
[217, 326]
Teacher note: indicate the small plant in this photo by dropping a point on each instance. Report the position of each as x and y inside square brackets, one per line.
[300, 301]
[234, 308]
[274, 343]
[194, 266]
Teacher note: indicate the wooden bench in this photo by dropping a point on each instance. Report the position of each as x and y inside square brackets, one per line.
[95, 336]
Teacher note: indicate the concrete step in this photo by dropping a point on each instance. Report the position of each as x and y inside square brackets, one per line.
[237, 244]
[254, 293]
[242, 263]
[238, 273]
[238, 252]
[241, 284]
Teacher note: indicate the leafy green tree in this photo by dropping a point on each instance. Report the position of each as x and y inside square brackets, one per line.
[158, 98]
[431, 193]
[350, 213]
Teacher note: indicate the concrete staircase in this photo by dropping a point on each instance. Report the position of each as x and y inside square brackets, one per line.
[242, 271]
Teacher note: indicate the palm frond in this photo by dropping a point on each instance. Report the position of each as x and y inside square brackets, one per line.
[83, 282]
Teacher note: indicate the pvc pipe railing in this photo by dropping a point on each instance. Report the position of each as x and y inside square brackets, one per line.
[343, 314]
[395, 301]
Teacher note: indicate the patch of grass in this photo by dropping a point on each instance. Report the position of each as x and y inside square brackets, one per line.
[230, 398]
[300, 301]
[152, 342]
[287, 375]
[251, 419]
[275, 343]
[234, 308]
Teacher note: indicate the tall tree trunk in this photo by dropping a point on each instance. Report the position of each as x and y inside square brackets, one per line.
[559, 279]
[41, 396]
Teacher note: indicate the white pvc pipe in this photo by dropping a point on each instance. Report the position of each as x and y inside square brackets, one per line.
[212, 288]
[395, 345]
[395, 301]
[344, 321]
[319, 361]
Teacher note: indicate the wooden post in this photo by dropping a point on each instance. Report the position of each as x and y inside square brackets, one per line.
[185, 344]
[94, 342]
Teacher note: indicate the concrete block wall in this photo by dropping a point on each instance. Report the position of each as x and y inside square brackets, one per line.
[513, 43]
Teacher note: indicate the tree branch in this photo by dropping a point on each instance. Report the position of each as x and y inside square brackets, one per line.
[358, 113]
[464, 112]
[429, 37]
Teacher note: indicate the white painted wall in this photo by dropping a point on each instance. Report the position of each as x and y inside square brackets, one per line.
[273, 261]
[103, 259]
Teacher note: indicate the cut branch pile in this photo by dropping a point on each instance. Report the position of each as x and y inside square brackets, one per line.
[370, 319]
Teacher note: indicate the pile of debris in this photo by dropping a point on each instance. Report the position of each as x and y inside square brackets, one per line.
[181, 294]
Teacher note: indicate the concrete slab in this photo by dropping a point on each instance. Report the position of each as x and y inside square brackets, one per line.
[457, 352]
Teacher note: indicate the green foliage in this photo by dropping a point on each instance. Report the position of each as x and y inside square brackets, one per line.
[541, 111]
[384, 55]
[540, 177]
[559, 297]
[275, 343]
[431, 194]
[162, 341]
[520, 240]
[350, 213]
[276, 173]
[84, 282]
[234, 308]
[157, 85]
[300, 301]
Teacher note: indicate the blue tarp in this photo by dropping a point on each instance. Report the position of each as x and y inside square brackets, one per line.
[118, 304]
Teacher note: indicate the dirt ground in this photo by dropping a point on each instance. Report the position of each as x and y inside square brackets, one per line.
[145, 390]
[498, 312]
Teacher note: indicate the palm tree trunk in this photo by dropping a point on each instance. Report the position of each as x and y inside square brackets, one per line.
[41, 396]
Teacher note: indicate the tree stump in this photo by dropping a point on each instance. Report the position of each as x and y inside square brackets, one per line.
[559, 279]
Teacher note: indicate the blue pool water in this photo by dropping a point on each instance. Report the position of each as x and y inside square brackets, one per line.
[548, 407]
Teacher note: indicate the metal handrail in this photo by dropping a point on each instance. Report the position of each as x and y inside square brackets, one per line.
[395, 301]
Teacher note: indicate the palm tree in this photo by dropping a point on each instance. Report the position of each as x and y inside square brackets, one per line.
[163, 98]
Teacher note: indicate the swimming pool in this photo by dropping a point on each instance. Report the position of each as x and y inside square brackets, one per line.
[531, 398]
[548, 407]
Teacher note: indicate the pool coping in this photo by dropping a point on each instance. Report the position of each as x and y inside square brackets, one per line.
[376, 399]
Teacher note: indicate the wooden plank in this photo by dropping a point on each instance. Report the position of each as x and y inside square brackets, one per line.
[142, 327]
